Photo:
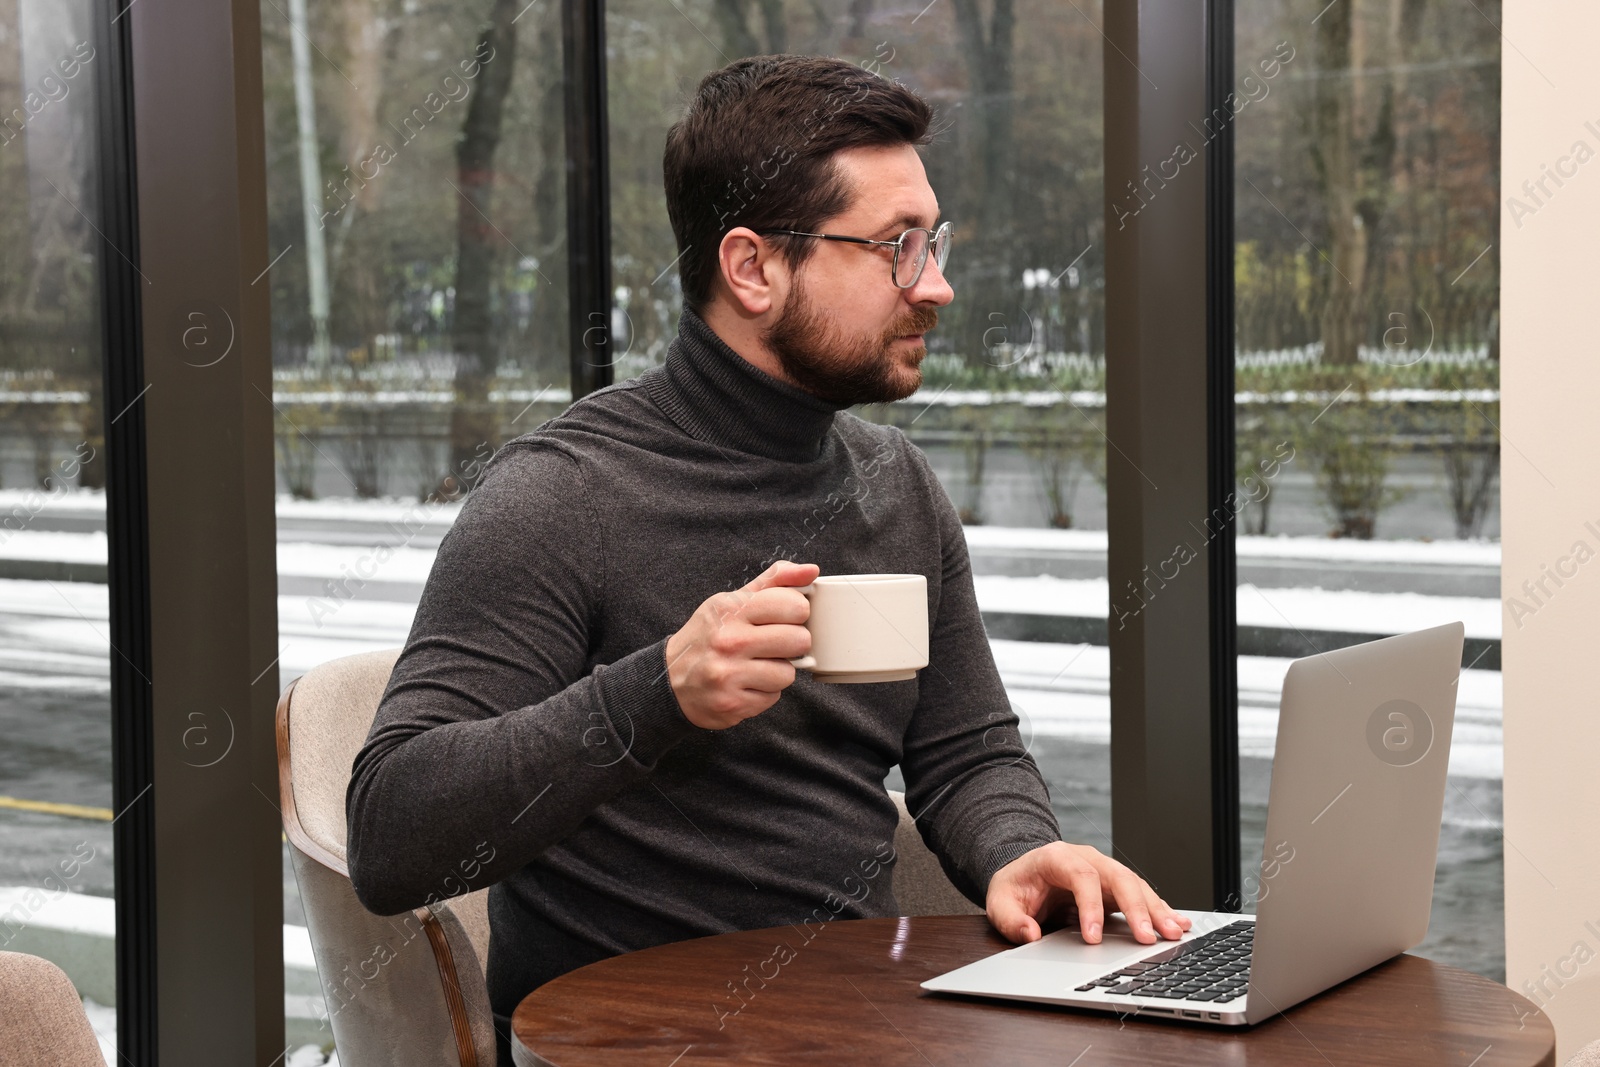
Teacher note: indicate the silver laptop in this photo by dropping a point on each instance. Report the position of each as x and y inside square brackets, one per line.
[1346, 878]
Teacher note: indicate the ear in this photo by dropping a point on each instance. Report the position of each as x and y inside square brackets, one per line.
[754, 273]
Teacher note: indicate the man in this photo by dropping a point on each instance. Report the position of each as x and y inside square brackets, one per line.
[595, 712]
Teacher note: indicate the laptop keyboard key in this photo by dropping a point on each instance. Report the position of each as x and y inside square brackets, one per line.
[1210, 963]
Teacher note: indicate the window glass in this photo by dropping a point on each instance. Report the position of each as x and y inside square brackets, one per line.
[1367, 369]
[56, 869]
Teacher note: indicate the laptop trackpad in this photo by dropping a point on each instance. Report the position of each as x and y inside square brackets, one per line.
[1117, 946]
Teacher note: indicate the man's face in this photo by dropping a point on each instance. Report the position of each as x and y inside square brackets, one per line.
[846, 332]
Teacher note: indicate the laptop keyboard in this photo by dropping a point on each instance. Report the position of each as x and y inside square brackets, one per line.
[1213, 967]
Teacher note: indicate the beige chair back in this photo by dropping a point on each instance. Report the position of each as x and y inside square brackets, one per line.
[400, 990]
[920, 885]
[1587, 1056]
[42, 1019]
[410, 989]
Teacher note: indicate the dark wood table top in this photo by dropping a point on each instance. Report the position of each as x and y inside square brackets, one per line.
[847, 992]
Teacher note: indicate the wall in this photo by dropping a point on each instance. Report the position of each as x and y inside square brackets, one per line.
[1550, 436]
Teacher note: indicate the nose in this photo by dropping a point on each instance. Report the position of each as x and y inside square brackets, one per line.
[932, 287]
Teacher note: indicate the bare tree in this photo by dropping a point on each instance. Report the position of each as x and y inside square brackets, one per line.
[548, 341]
[732, 17]
[988, 196]
[477, 245]
[1353, 144]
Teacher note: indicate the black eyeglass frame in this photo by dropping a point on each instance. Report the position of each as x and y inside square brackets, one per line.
[940, 237]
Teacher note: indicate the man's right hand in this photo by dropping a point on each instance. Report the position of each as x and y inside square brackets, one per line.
[730, 661]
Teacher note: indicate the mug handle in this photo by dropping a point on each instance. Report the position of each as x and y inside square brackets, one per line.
[805, 663]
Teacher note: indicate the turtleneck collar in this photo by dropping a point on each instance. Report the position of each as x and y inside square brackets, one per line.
[717, 395]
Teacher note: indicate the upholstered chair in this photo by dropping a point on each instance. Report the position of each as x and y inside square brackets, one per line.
[410, 990]
[41, 1017]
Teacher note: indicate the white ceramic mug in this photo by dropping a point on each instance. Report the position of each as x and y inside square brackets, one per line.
[867, 627]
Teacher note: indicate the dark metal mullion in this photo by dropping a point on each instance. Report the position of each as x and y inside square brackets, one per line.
[1162, 525]
[588, 194]
[127, 544]
[205, 945]
[1220, 446]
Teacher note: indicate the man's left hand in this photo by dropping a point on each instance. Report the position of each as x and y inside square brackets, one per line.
[1047, 884]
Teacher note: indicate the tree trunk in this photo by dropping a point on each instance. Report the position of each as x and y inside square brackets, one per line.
[471, 419]
[1355, 166]
[860, 11]
[735, 27]
[1333, 119]
[993, 316]
[548, 345]
[366, 30]
[740, 39]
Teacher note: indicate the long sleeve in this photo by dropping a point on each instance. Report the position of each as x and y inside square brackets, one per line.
[495, 738]
[978, 797]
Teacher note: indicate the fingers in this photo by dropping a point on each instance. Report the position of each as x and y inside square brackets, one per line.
[1134, 909]
[1078, 874]
[729, 661]
[765, 676]
[1170, 923]
[777, 642]
[775, 605]
[783, 573]
[1007, 915]
[1028, 891]
[773, 624]
[1147, 914]
[770, 626]
[1093, 877]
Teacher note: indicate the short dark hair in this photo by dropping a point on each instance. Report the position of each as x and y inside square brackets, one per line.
[774, 112]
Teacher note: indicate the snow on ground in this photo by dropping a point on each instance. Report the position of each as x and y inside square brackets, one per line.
[52, 634]
[1474, 553]
[90, 547]
[402, 564]
[299, 558]
[90, 502]
[1342, 610]
[1064, 691]
[54, 545]
[104, 1021]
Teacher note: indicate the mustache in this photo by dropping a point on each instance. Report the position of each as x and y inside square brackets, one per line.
[921, 322]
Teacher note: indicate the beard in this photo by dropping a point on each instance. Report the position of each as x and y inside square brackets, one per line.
[842, 369]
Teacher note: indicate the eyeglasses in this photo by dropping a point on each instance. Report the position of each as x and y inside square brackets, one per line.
[910, 249]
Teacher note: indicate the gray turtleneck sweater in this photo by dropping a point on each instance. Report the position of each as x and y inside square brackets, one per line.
[529, 737]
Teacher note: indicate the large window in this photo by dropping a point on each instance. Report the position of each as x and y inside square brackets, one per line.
[416, 181]
[1012, 404]
[416, 168]
[416, 176]
[56, 872]
[1367, 368]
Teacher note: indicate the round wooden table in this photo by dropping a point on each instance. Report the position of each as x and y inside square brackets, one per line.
[847, 992]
